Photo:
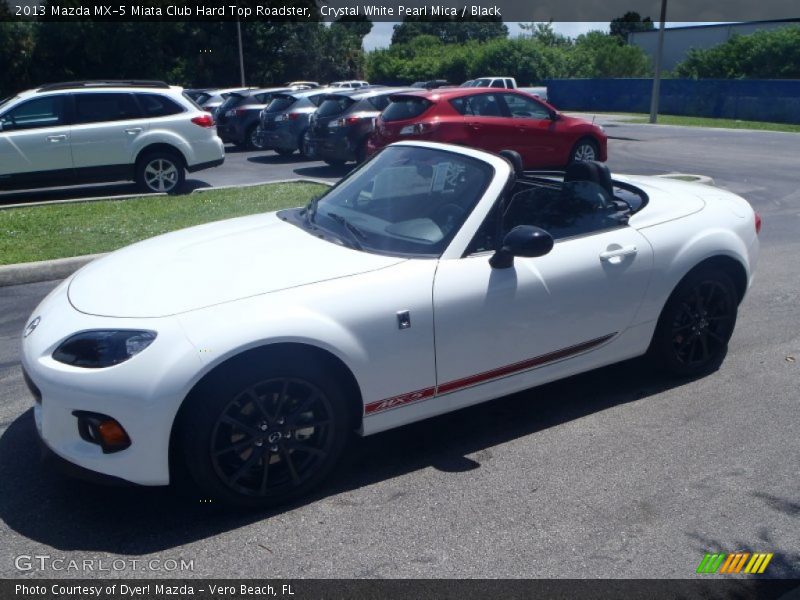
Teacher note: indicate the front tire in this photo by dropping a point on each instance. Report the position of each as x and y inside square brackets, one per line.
[160, 172]
[585, 149]
[693, 331]
[265, 435]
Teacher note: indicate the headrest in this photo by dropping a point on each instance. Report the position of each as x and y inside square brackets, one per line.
[516, 161]
[589, 170]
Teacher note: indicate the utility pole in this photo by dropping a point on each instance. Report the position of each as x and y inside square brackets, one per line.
[241, 53]
[657, 75]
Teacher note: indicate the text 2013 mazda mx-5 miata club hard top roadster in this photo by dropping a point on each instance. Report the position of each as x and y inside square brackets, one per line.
[431, 278]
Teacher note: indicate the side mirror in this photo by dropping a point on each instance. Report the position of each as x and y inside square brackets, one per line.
[524, 240]
[555, 116]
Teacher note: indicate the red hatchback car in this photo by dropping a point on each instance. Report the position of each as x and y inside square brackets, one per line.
[493, 120]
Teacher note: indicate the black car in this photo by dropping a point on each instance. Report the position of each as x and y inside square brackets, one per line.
[432, 84]
[285, 120]
[340, 127]
[238, 117]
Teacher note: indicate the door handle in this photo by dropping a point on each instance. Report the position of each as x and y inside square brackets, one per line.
[616, 256]
[133, 130]
[475, 125]
[56, 138]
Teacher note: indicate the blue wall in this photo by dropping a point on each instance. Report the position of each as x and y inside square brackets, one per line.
[772, 100]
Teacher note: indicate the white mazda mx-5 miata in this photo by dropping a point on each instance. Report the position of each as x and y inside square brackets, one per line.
[431, 278]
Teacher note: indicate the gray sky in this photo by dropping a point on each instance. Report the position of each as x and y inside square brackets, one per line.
[381, 34]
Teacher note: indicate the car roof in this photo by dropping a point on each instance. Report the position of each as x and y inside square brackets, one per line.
[380, 91]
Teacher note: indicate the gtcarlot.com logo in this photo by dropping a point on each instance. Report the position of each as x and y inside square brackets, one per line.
[45, 562]
[756, 563]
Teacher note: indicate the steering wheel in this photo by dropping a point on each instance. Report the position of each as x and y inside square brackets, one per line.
[447, 216]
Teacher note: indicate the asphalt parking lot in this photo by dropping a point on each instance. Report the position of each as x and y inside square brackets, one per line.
[614, 473]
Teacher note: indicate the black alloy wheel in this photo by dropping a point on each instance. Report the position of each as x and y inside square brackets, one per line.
[696, 324]
[256, 437]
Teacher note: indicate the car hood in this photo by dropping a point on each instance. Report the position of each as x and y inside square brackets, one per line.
[211, 264]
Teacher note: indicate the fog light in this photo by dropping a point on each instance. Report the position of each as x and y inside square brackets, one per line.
[102, 430]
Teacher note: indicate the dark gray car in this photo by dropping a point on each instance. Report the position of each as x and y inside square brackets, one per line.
[238, 117]
[285, 120]
[339, 129]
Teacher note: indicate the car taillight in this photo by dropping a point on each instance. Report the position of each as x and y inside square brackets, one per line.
[418, 128]
[288, 117]
[758, 223]
[204, 120]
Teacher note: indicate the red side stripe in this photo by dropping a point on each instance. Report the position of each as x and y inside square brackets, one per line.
[465, 382]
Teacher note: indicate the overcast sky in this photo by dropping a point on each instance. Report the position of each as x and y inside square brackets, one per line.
[381, 34]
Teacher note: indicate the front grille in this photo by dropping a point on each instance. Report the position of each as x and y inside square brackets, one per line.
[37, 394]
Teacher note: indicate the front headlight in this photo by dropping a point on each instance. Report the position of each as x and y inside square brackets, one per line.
[102, 348]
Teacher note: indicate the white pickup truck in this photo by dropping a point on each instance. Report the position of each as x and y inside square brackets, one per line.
[493, 82]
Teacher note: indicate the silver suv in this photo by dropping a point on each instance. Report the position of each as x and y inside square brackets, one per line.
[92, 131]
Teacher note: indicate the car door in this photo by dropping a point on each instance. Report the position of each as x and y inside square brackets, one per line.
[106, 127]
[35, 143]
[492, 324]
[485, 122]
[534, 132]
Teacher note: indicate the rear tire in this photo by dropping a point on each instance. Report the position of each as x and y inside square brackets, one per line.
[694, 328]
[265, 434]
[250, 142]
[161, 171]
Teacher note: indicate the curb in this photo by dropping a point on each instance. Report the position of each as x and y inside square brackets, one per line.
[46, 270]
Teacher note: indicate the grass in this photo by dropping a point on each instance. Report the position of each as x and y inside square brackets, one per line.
[63, 230]
[720, 123]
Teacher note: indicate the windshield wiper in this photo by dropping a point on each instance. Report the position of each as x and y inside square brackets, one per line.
[353, 232]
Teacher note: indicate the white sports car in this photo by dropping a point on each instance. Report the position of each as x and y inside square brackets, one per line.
[431, 278]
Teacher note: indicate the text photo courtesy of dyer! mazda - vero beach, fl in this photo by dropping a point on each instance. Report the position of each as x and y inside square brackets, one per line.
[399, 299]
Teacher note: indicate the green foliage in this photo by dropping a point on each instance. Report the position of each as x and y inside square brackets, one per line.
[16, 49]
[773, 54]
[628, 23]
[449, 30]
[529, 58]
[190, 54]
[544, 33]
[599, 55]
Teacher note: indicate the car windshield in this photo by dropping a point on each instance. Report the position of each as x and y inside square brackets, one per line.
[231, 100]
[482, 82]
[407, 201]
[334, 105]
[403, 108]
[5, 101]
[280, 102]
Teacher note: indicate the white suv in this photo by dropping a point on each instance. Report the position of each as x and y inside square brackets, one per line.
[70, 133]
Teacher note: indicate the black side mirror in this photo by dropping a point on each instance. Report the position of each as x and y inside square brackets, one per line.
[555, 116]
[524, 240]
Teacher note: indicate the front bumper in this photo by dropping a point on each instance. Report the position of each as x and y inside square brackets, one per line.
[143, 393]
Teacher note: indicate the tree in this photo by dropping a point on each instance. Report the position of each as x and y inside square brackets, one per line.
[600, 55]
[545, 34]
[16, 50]
[761, 55]
[449, 30]
[629, 23]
